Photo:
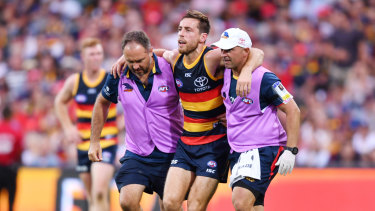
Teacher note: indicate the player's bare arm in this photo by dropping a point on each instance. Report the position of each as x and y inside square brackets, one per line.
[99, 116]
[170, 56]
[254, 60]
[118, 67]
[215, 63]
[61, 108]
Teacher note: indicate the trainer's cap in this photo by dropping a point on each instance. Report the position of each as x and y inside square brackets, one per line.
[233, 37]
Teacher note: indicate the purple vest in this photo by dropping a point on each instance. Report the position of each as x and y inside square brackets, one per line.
[250, 127]
[157, 122]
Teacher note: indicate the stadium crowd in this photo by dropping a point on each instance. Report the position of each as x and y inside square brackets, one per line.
[323, 51]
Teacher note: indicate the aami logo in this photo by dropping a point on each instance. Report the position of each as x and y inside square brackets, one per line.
[127, 87]
[179, 83]
[163, 88]
[241, 41]
[247, 100]
[211, 164]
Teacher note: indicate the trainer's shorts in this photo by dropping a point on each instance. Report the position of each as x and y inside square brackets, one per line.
[150, 171]
[268, 157]
[208, 160]
[84, 164]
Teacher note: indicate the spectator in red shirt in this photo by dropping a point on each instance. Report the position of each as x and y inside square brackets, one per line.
[10, 153]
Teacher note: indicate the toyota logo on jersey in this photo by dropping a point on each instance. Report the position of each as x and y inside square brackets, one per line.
[201, 81]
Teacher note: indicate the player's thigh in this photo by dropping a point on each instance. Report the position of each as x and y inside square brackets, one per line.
[86, 180]
[203, 189]
[101, 174]
[131, 194]
[177, 183]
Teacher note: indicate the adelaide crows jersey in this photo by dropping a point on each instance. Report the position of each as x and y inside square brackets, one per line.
[201, 100]
[85, 94]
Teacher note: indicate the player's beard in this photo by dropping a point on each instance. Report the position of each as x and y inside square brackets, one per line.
[189, 47]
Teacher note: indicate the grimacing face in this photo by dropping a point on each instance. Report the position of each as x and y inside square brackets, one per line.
[93, 57]
[188, 35]
[138, 58]
[234, 58]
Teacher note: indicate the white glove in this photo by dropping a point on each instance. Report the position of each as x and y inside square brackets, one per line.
[286, 162]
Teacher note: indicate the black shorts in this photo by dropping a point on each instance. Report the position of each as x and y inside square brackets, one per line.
[208, 160]
[84, 163]
[268, 157]
[150, 171]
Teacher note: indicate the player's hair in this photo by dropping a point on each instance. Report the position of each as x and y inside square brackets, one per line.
[89, 42]
[204, 23]
[139, 37]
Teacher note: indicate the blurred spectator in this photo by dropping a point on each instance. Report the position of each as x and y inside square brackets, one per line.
[10, 153]
[39, 152]
[364, 144]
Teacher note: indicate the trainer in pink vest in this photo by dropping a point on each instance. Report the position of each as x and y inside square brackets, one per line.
[157, 122]
[250, 127]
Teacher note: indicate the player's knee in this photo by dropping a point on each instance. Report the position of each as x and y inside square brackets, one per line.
[170, 203]
[196, 205]
[127, 205]
[99, 195]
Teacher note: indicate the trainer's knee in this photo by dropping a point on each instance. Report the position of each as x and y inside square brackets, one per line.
[242, 204]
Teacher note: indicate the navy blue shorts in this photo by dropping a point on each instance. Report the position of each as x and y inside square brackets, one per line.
[268, 157]
[208, 160]
[84, 164]
[150, 171]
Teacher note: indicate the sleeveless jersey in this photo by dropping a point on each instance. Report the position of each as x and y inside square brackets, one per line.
[201, 100]
[85, 94]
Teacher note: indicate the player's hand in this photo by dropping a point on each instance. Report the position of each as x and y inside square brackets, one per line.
[72, 135]
[117, 67]
[222, 119]
[286, 162]
[243, 87]
[95, 152]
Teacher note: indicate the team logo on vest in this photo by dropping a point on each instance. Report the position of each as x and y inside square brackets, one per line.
[179, 83]
[247, 100]
[127, 87]
[163, 88]
[212, 164]
[201, 81]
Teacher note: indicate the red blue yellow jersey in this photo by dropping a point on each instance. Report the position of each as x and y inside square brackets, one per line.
[201, 100]
[85, 93]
